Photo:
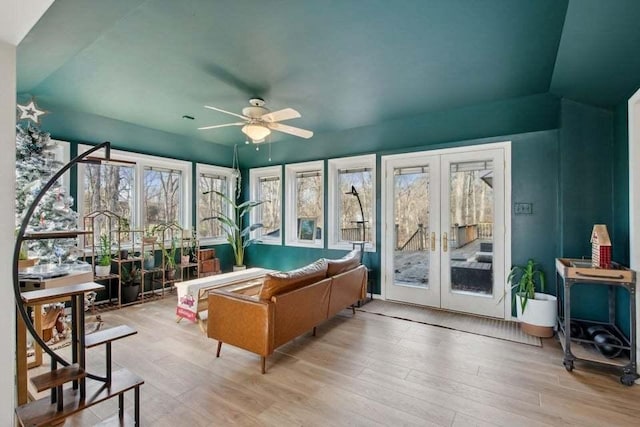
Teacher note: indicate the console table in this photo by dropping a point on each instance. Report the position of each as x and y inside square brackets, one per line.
[573, 272]
[192, 294]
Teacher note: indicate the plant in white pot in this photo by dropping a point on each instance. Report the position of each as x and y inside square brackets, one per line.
[537, 311]
[103, 266]
[238, 236]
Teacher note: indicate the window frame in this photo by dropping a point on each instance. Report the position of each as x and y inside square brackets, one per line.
[142, 161]
[202, 168]
[255, 174]
[334, 165]
[290, 206]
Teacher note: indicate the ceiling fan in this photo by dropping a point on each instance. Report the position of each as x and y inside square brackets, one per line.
[258, 121]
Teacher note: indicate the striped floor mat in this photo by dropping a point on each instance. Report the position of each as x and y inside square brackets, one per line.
[486, 326]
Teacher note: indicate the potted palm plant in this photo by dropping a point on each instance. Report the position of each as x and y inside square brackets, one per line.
[238, 236]
[537, 311]
[103, 267]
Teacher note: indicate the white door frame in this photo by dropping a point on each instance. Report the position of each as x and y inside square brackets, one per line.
[386, 198]
[634, 193]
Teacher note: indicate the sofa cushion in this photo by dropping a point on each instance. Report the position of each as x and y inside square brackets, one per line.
[281, 282]
[346, 263]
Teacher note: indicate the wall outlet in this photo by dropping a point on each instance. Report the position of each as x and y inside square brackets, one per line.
[523, 208]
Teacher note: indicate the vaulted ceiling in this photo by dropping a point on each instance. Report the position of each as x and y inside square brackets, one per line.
[342, 63]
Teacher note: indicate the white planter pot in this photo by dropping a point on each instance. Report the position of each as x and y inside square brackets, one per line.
[540, 314]
[239, 267]
[103, 270]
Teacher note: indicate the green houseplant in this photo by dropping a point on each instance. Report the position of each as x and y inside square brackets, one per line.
[130, 284]
[238, 236]
[537, 311]
[103, 266]
[170, 259]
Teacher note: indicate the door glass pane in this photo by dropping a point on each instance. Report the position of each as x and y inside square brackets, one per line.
[411, 212]
[471, 232]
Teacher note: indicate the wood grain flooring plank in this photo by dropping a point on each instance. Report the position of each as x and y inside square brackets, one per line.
[358, 370]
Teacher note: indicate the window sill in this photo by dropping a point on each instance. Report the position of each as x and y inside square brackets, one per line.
[318, 244]
[273, 242]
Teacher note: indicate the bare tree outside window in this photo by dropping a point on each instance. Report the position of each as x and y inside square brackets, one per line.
[269, 212]
[411, 187]
[309, 198]
[211, 204]
[109, 188]
[349, 210]
[162, 193]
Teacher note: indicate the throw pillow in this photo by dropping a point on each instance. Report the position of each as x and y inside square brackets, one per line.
[281, 282]
[346, 263]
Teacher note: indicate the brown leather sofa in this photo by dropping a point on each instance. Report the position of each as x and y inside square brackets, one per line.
[286, 305]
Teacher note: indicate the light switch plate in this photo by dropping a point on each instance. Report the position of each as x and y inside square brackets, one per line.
[523, 208]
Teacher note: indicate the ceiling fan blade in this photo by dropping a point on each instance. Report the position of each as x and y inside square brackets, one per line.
[280, 115]
[226, 112]
[302, 133]
[221, 126]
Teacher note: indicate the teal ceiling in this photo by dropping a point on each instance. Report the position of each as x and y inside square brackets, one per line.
[599, 54]
[342, 64]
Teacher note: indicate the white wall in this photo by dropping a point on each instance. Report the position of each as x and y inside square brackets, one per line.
[634, 196]
[17, 17]
[7, 207]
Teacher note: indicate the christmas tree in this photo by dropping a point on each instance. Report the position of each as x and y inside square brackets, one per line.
[35, 165]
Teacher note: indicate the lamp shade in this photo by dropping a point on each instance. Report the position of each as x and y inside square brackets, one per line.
[256, 131]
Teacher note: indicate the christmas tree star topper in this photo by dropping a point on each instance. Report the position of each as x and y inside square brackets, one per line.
[31, 112]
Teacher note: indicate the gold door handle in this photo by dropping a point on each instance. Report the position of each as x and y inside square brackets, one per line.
[445, 242]
[433, 241]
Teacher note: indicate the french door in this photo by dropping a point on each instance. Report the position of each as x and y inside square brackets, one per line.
[444, 229]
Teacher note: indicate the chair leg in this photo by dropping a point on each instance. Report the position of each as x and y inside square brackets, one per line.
[219, 348]
[314, 331]
[263, 361]
[353, 308]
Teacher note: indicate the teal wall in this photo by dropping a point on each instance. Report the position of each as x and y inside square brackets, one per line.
[621, 206]
[510, 117]
[534, 180]
[529, 122]
[586, 193]
[567, 158]
[83, 128]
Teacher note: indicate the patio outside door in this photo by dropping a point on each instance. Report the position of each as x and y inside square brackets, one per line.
[444, 237]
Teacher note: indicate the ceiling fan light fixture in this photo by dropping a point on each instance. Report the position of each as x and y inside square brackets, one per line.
[255, 131]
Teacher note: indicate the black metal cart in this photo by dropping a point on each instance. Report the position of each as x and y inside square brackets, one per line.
[573, 272]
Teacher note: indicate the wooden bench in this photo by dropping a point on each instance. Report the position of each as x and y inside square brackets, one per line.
[193, 294]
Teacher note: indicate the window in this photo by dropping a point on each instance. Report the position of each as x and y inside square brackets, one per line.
[346, 220]
[109, 187]
[266, 185]
[304, 204]
[210, 204]
[149, 192]
[162, 191]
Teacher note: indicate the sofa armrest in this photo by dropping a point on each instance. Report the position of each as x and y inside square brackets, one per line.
[347, 288]
[241, 321]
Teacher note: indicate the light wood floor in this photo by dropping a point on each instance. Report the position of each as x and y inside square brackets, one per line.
[363, 370]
